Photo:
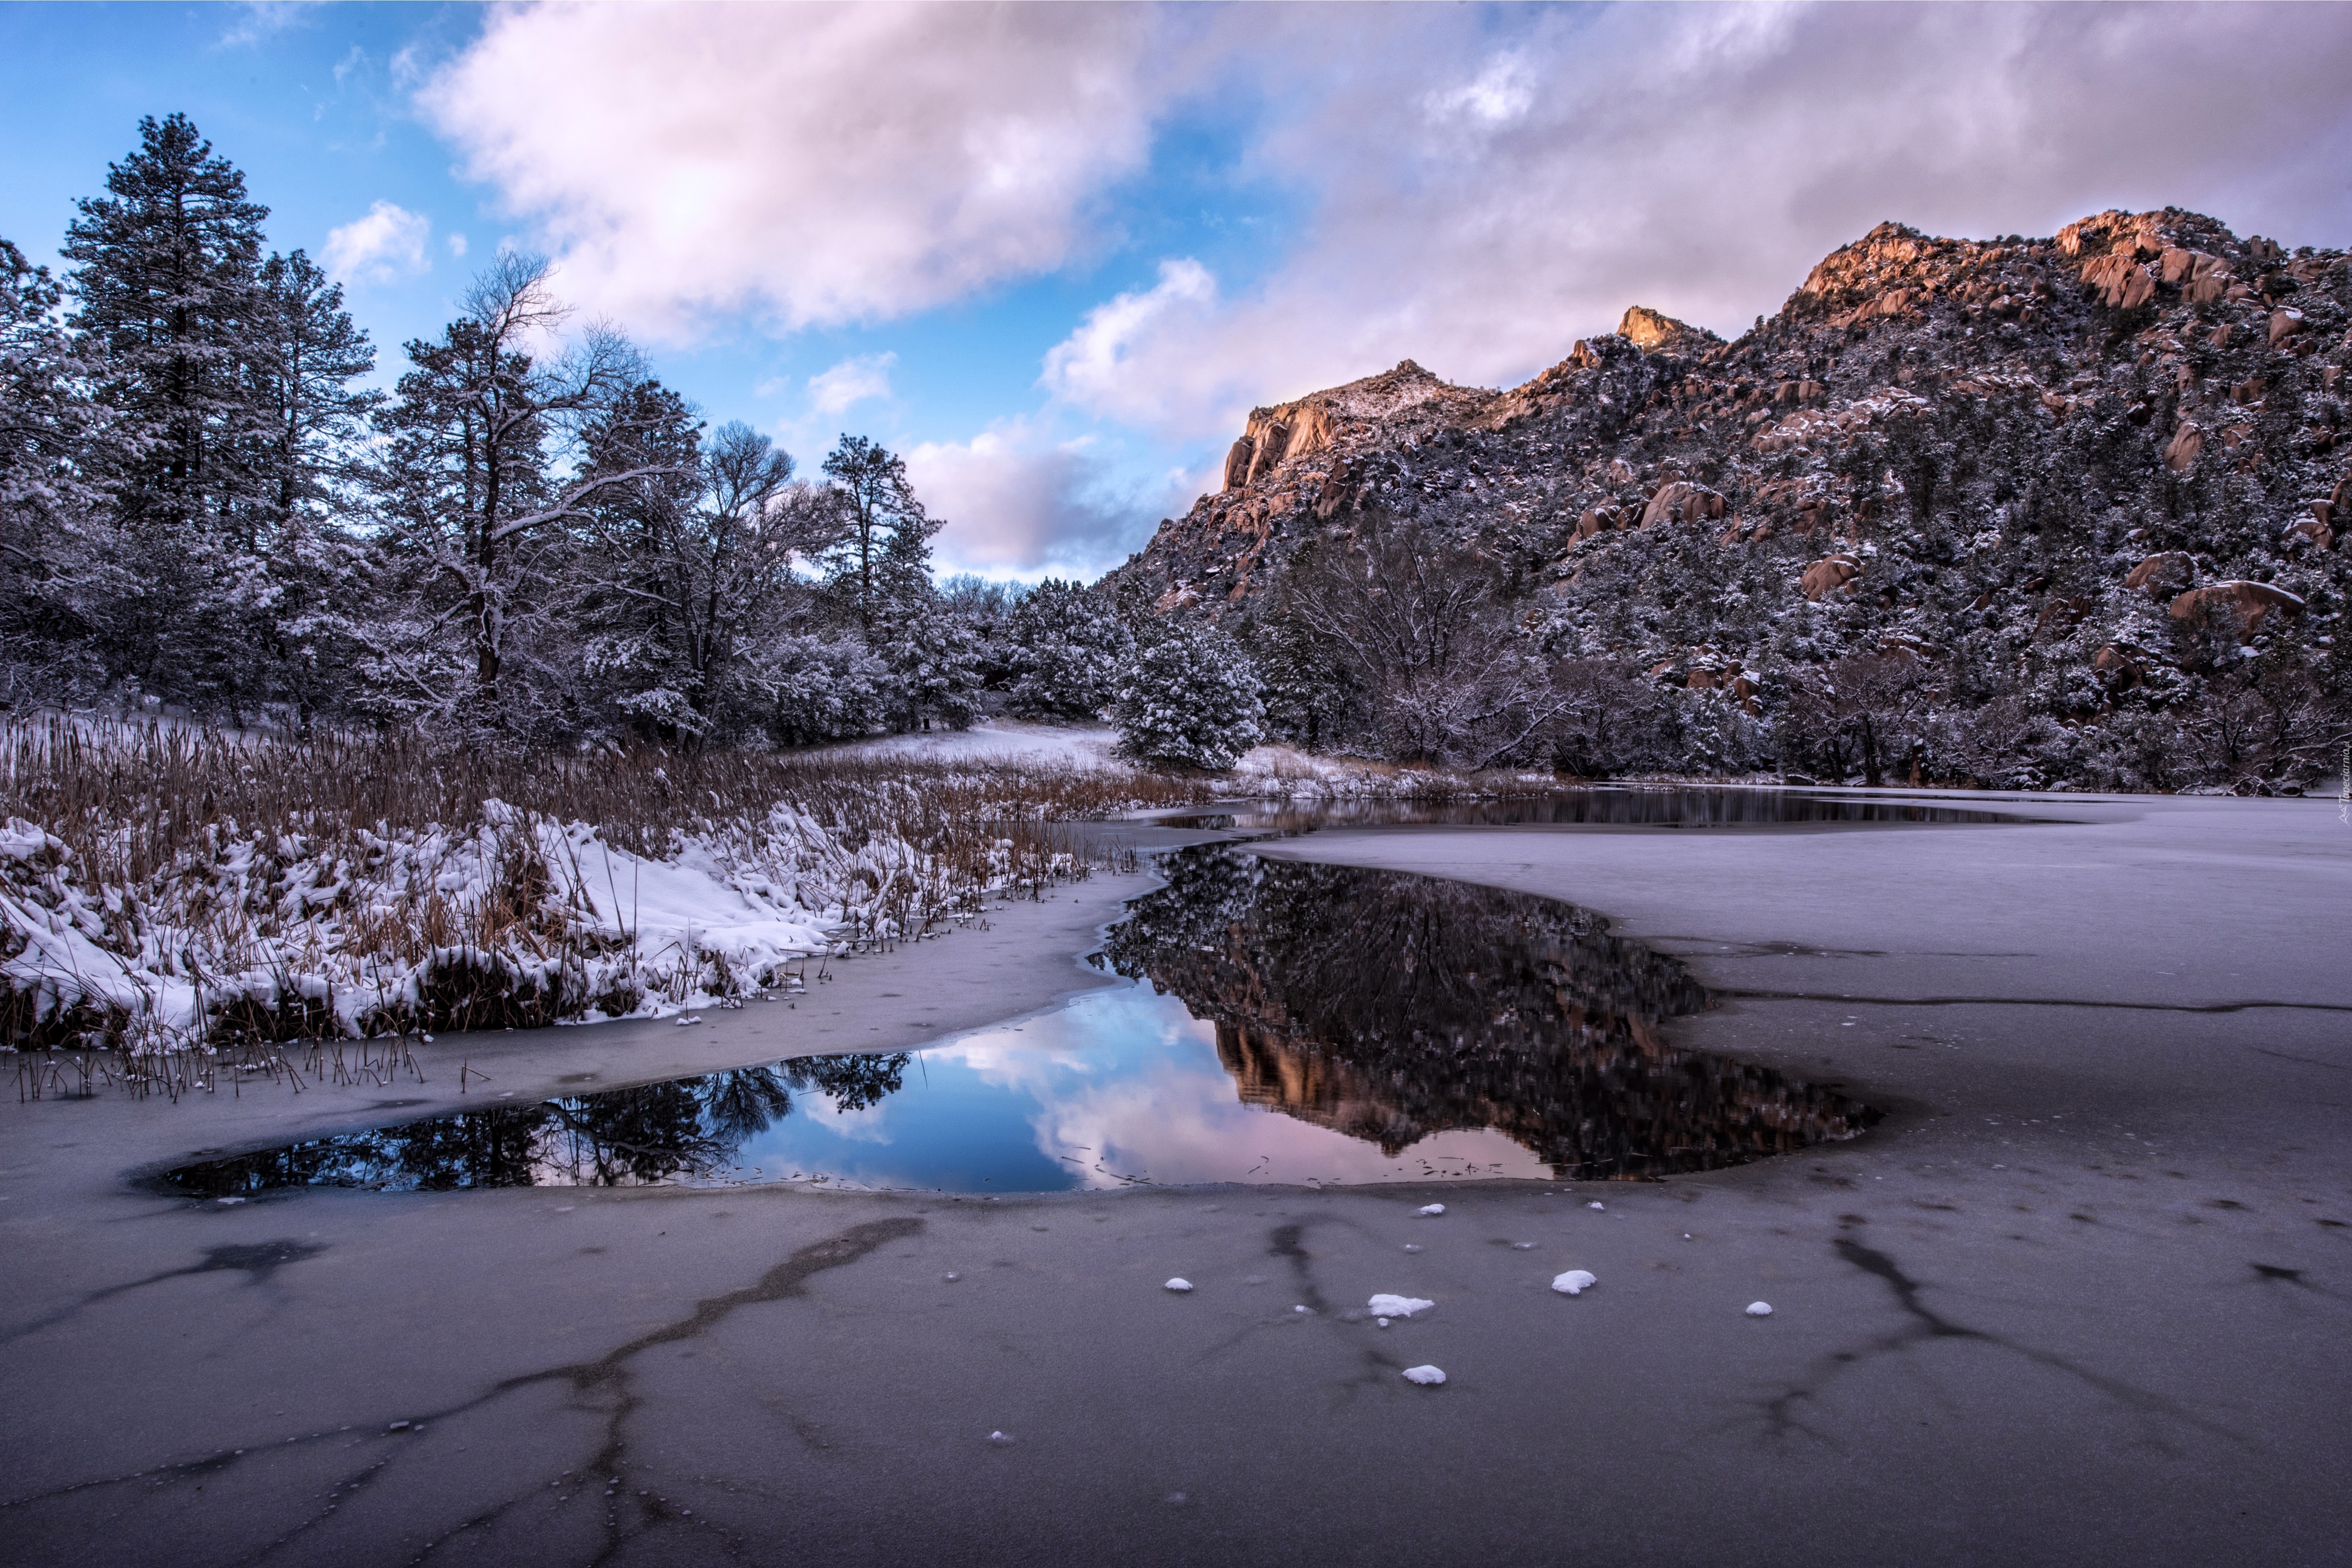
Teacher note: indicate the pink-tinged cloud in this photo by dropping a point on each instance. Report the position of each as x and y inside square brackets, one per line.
[813, 165]
[1021, 503]
[1480, 208]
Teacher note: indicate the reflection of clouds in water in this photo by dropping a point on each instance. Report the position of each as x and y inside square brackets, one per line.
[1178, 1124]
[868, 1125]
[1101, 1033]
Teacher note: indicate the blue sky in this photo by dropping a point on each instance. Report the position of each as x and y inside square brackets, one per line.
[1054, 254]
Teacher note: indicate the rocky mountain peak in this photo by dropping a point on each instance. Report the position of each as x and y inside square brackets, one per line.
[1962, 448]
[1655, 332]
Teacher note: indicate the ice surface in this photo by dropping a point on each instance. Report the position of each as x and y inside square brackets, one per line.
[1387, 1305]
[1427, 1376]
[1575, 1282]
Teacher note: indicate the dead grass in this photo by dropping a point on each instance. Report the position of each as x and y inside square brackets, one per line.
[301, 888]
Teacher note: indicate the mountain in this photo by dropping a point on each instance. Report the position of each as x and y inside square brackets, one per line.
[2012, 510]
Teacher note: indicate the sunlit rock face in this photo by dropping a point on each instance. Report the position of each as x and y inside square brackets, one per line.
[1390, 1007]
[1960, 447]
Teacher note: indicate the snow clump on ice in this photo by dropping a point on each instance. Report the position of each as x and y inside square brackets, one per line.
[1575, 1282]
[1178, 1285]
[1427, 1376]
[1432, 1209]
[1385, 1306]
[1760, 1308]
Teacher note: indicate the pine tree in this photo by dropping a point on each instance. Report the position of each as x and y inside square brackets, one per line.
[886, 535]
[1188, 697]
[689, 568]
[304, 354]
[167, 283]
[47, 511]
[305, 357]
[1067, 647]
[170, 309]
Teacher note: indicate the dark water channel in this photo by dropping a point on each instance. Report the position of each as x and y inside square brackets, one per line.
[1602, 807]
[1285, 1022]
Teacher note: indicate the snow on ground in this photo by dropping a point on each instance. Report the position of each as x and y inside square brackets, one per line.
[994, 740]
[521, 918]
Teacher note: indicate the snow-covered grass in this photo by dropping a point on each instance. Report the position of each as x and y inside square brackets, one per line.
[171, 886]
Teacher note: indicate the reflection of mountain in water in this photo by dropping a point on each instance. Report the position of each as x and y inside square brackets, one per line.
[1390, 1006]
[620, 1137]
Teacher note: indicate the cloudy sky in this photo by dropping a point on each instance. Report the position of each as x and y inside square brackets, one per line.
[1054, 254]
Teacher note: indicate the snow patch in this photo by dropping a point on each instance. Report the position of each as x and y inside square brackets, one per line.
[1575, 1282]
[1427, 1376]
[1386, 1306]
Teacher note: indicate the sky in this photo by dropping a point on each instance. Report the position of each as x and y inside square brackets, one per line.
[1054, 253]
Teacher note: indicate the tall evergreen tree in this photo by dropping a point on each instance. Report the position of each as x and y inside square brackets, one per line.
[305, 353]
[170, 308]
[166, 279]
[886, 535]
[46, 426]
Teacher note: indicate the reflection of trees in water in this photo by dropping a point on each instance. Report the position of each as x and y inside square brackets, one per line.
[618, 1137]
[855, 1083]
[1390, 1006]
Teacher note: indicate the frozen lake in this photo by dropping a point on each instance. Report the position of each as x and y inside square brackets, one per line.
[2078, 1298]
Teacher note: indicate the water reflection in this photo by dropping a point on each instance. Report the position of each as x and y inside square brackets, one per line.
[1664, 806]
[1389, 1006]
[1287, 1023]
[621, 1137]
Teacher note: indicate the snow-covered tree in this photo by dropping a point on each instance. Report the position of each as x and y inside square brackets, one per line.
[48, 509]
[689, 568]
[815, 688]
[1065, 645]
[1188, 697]
[166, 282]
[933, 656]
[884, 538]
[474, 511]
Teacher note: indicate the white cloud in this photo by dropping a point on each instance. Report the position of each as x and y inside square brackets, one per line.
[457, 245]
[1021, 504]
[852, 382]
[1700, 160]
[820, 165]
[1501, 93]
[1093, 365]
[260, 20]
[386, 244]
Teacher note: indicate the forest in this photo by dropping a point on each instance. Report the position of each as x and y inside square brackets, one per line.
[528, 541]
